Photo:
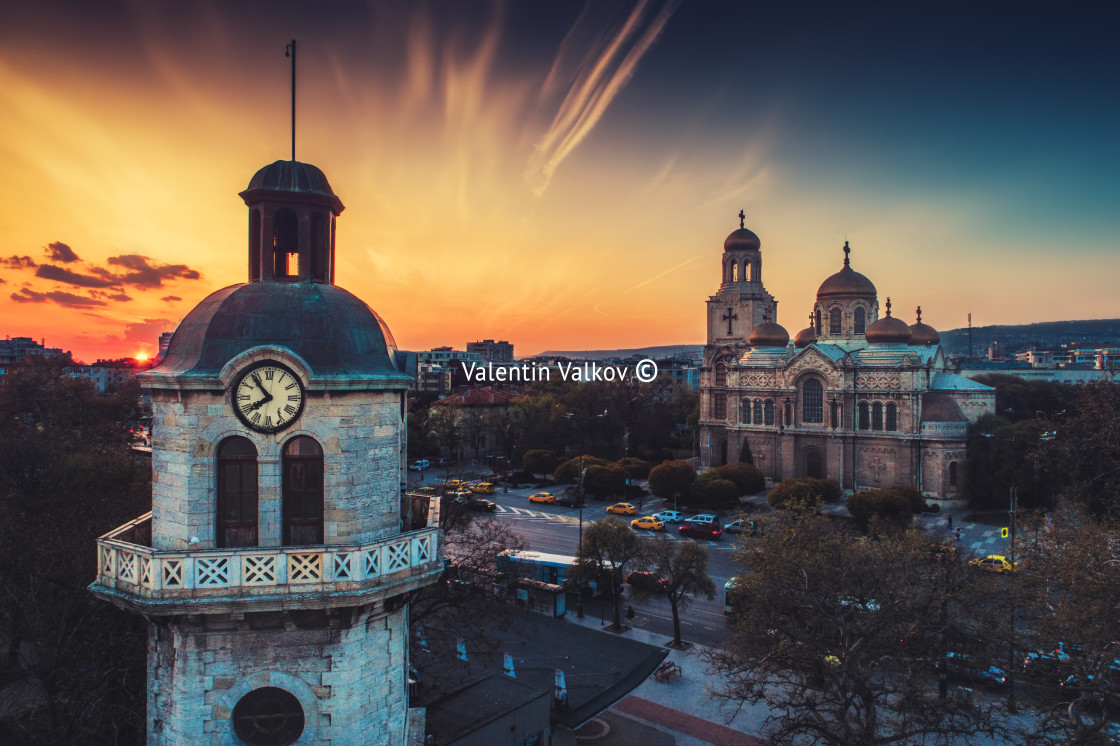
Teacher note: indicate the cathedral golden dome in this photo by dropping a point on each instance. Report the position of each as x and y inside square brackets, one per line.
[806, 336]
[742, 239]
[888, 330]
[923, 334]
[769, 334]
[846, 282]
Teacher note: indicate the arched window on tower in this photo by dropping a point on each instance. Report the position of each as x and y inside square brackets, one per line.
[833, 418]
[768, 411]
[719, 406]
[302, 477]
[745, 408]
[861, 321]
[834, 321]
[721, 375]
[819, 327]
[255, 244]
[892, 416]
[285, 244]
[877, 416]
[864, 419]
[748, 271]
[319, 257]
[757, 412]
[812, 401]
[236, 524]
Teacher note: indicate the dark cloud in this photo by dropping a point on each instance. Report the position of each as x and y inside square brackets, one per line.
[2, 281]
[18, 262]
[69, 300]
[60, 252]
[120, 297]
[146, 275]
[58, 274]
[170, 298]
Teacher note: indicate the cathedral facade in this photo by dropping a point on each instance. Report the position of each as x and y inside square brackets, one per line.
[862, 398]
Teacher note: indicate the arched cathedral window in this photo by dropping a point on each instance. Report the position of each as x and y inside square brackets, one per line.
[746, 412]
[877, 416]
[757, 412]
[721, 375]
[768, 408]
[861, 321]
[864, 419]
[237, 493]
[719, 406]
[834, 321]
[812, 401]
[285, 244]
[302, 477]
[892, 417]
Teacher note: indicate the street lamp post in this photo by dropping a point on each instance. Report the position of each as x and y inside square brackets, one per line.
[579, 546]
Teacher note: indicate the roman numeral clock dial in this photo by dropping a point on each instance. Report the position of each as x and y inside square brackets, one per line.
[268, 397]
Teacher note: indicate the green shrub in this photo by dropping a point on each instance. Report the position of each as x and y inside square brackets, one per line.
[891, 506]
[747, 478]
[635, 468]
[539, 461]
[569, 470]
[800, 494]
[603, 481]
[712, 489]
[670, 478]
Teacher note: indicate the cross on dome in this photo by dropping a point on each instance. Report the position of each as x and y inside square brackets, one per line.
[742, 219]
[847, 250]
[919, 314]
[888, 307]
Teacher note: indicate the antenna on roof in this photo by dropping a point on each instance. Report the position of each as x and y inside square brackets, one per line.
[290, 51]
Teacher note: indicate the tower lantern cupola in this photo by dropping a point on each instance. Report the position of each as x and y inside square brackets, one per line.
[292, 214]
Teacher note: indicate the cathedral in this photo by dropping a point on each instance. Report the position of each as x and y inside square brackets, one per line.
[858, 397]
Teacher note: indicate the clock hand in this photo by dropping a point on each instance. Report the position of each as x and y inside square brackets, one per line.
[260, 404]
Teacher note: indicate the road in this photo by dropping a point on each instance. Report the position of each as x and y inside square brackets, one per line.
[555, 529]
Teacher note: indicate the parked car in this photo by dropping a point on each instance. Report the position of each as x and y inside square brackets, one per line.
[622, 509]
[741, 526]
[420, 465]
[705, 518]
[700, 531]
[481, 504]
[542, 497]
[670, 516]
[994, 563]
[462, 496]
[483, 488]
[962, 667]
[646, 580]
[648, 522]
[453, 484]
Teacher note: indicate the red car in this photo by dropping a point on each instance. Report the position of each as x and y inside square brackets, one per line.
[700, 531]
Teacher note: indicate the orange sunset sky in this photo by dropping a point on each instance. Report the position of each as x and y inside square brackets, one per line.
[560, 175]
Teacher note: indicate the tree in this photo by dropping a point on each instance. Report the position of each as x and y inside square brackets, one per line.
[1083, 445]
[671, 478]
[710, 488]
[747, 478]
[683, 565]
[66, 477]
[636, 468]
[539, 461]
[446, 427]
[842, 638]
[745, 455]
[803, 493]
[604, 481]
[569, 471]
[1070, 596]
[609, 548]
[889, 506]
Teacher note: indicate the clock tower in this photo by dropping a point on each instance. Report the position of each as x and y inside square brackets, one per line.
[275, 565]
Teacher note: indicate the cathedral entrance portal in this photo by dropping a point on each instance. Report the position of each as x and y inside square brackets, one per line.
[814, 464]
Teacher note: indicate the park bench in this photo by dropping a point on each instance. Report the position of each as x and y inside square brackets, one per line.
[667, 671]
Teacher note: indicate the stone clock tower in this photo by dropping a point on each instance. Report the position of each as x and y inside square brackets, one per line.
[274, 565]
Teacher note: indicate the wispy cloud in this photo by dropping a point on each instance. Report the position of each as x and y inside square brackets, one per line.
[643, 283]
[601, 74]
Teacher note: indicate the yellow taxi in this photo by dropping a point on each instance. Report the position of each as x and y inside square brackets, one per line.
[648, 522]
[483, 488]
[453, 484]
[623, 509]
[994, 563]
[542, 497]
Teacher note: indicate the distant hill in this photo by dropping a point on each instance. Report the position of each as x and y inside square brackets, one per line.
[1043, 335]
[657, 353]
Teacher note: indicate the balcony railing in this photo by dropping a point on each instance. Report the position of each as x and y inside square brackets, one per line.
[260, 577]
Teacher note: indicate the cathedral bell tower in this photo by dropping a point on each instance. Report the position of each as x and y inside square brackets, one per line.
[741, 301]
[274, 566]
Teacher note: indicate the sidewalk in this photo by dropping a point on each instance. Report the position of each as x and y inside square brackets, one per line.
[678, 712]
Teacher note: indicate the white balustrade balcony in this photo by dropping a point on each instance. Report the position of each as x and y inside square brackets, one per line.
[260, 578]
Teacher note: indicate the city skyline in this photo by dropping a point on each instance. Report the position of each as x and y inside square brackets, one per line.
[561, 176]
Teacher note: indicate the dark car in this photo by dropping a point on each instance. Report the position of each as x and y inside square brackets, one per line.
[568, 500]
[700, 531]
[964, 668]
[646, 581]
[741, 526]
[481, 504]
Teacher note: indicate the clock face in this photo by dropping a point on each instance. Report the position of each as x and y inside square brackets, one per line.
[268, 397]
